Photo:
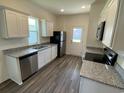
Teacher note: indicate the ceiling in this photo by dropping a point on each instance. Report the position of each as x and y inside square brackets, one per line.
[70, 6]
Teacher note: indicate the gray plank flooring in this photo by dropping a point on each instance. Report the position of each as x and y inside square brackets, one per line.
[60, 76]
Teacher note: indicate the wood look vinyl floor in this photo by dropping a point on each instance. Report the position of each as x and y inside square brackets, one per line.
[60, 76]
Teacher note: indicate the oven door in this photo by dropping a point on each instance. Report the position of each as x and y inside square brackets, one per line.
[110, 56]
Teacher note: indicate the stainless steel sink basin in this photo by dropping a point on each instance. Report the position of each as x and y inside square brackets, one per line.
[40, 47]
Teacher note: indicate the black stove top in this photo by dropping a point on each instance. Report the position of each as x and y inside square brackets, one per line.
[94, 57]
[108, 57]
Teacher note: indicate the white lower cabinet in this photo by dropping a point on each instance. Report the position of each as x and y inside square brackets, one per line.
[47, 55]
[54, 52]
[14, 70]
[46, 28]
[41, 59]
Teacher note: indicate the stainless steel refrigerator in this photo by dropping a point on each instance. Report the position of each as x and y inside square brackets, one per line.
[59, 37]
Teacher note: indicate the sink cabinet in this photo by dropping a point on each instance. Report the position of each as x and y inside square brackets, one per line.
[46, 56]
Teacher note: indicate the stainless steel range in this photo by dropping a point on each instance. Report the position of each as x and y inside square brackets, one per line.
[108, 57]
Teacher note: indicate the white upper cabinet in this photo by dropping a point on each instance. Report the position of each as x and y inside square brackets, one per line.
[23, 26]
[13, 24]
[118, 40]
[46, 56]
[46, 28]
[110, 18]
[113, 14]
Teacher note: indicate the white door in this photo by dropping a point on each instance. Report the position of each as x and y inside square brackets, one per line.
[75, 40]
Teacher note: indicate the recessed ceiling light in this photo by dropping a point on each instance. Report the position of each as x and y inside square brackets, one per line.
[62, 10]
[83, 7]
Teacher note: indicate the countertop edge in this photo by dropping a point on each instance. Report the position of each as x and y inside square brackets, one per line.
[101, 82]
[97, 80]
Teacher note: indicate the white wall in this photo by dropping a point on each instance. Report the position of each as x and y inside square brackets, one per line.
[95, 11]
[33, 10]
[68, 21]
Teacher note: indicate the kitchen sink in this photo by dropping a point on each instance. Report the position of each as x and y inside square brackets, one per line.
[40, 47]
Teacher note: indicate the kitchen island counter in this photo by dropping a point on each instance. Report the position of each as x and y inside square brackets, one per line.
[100, 73]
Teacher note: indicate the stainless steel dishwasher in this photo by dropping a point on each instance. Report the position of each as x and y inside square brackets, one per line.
[28, 65]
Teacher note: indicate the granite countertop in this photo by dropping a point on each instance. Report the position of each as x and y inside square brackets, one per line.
[20, 53]
[98, 72]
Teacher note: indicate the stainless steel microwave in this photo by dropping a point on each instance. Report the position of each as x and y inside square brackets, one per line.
[100, 31]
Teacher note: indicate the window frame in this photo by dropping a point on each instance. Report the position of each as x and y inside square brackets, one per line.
[38, 35]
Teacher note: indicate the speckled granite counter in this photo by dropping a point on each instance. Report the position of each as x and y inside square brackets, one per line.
[22, 52]
[98, 72]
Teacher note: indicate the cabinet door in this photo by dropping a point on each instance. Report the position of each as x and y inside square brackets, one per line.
[110, 23]
[48, 55]
[24, 26]
[46, 28]
[41, 59]
[45, 56]
[11, 23]
[16, 24]
[54, 52]
[43, 28]
[49, 29]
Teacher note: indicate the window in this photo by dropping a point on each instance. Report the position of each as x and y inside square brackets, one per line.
[33, 30]
[77, 33]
